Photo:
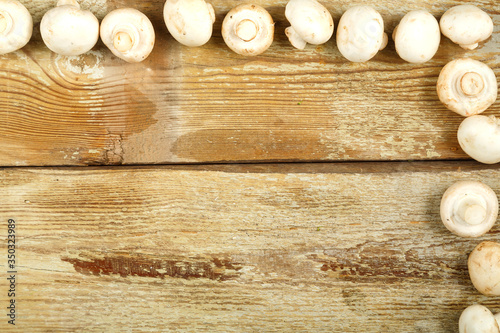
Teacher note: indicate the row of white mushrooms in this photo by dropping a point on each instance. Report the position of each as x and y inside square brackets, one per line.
[469, 87]
[470, 209]
[247, 29]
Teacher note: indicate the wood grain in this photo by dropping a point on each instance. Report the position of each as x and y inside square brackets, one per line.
[298, 248]
[207, 104]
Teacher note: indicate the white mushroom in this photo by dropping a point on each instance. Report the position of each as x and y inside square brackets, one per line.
[16, 26]
[248, 29]
[497, 318]
[128, 33]
[310, 23]
[484, 268]
[69, 30]
[466, 25]
[477, 319]
[479, 137]
[360, 34]
[469, 208]
[417, 36]
[467, 86]
[190, 22]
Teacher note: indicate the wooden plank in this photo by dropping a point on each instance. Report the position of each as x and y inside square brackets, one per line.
[316, 248]
[207, 104]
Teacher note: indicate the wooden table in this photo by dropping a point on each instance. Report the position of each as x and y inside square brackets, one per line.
[204, 191]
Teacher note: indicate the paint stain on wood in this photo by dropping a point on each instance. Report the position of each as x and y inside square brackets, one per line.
[214, 268]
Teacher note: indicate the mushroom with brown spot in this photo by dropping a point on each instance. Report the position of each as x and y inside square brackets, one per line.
[69, 30]
[467, 87]
[477, 319]
[466, 25]
[417, 36]
[469, 208]
[479, 137]
[128, 33]
[360, 34]
[190, 22]
[484, 268]
[248, 29]
[311, 22]
[16, 26]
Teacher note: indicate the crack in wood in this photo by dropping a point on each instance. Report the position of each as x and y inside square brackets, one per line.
[212, 268]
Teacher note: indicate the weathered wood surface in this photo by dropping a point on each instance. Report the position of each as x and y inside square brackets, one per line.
[207, 104]
[299, 248]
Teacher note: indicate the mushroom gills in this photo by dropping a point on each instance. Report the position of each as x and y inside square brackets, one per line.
[248, 30]
[128, 33]
[469, 208]
[467, 86]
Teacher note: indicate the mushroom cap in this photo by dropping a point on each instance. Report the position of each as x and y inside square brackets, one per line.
[497, 318]
[484, 268]
[467, 86]
[477, 319]
[360, 33]
[417, 36]
[69, 30]
[469, 208]
[190, 22]
[16, 24]
[248, 29]
[128, 33]
[479, 137]
[310, 23]
[466, 25]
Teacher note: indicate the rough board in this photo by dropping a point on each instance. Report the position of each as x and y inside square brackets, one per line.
[207, 104]
[273, 248]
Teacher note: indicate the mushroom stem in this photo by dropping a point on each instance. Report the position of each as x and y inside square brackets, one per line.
[472, 213]
[68, 2]
[123, 41]
[469, 46]
[471, 83]
[295, 38]
[246, 30]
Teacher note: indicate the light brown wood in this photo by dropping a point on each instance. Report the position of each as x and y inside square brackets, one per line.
[299, 248]
[207, 104]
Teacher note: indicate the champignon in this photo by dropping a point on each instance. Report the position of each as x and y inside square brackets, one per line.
[16, 26]
[128, 33]
[310, 23]
[417, 36]
[477, 319]
[68, 30]
[360, 34]
[469, 208]
[467, 86]
[484, 268]
[479, 137]
[466, 25]
[248, 29]
[190, 22]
